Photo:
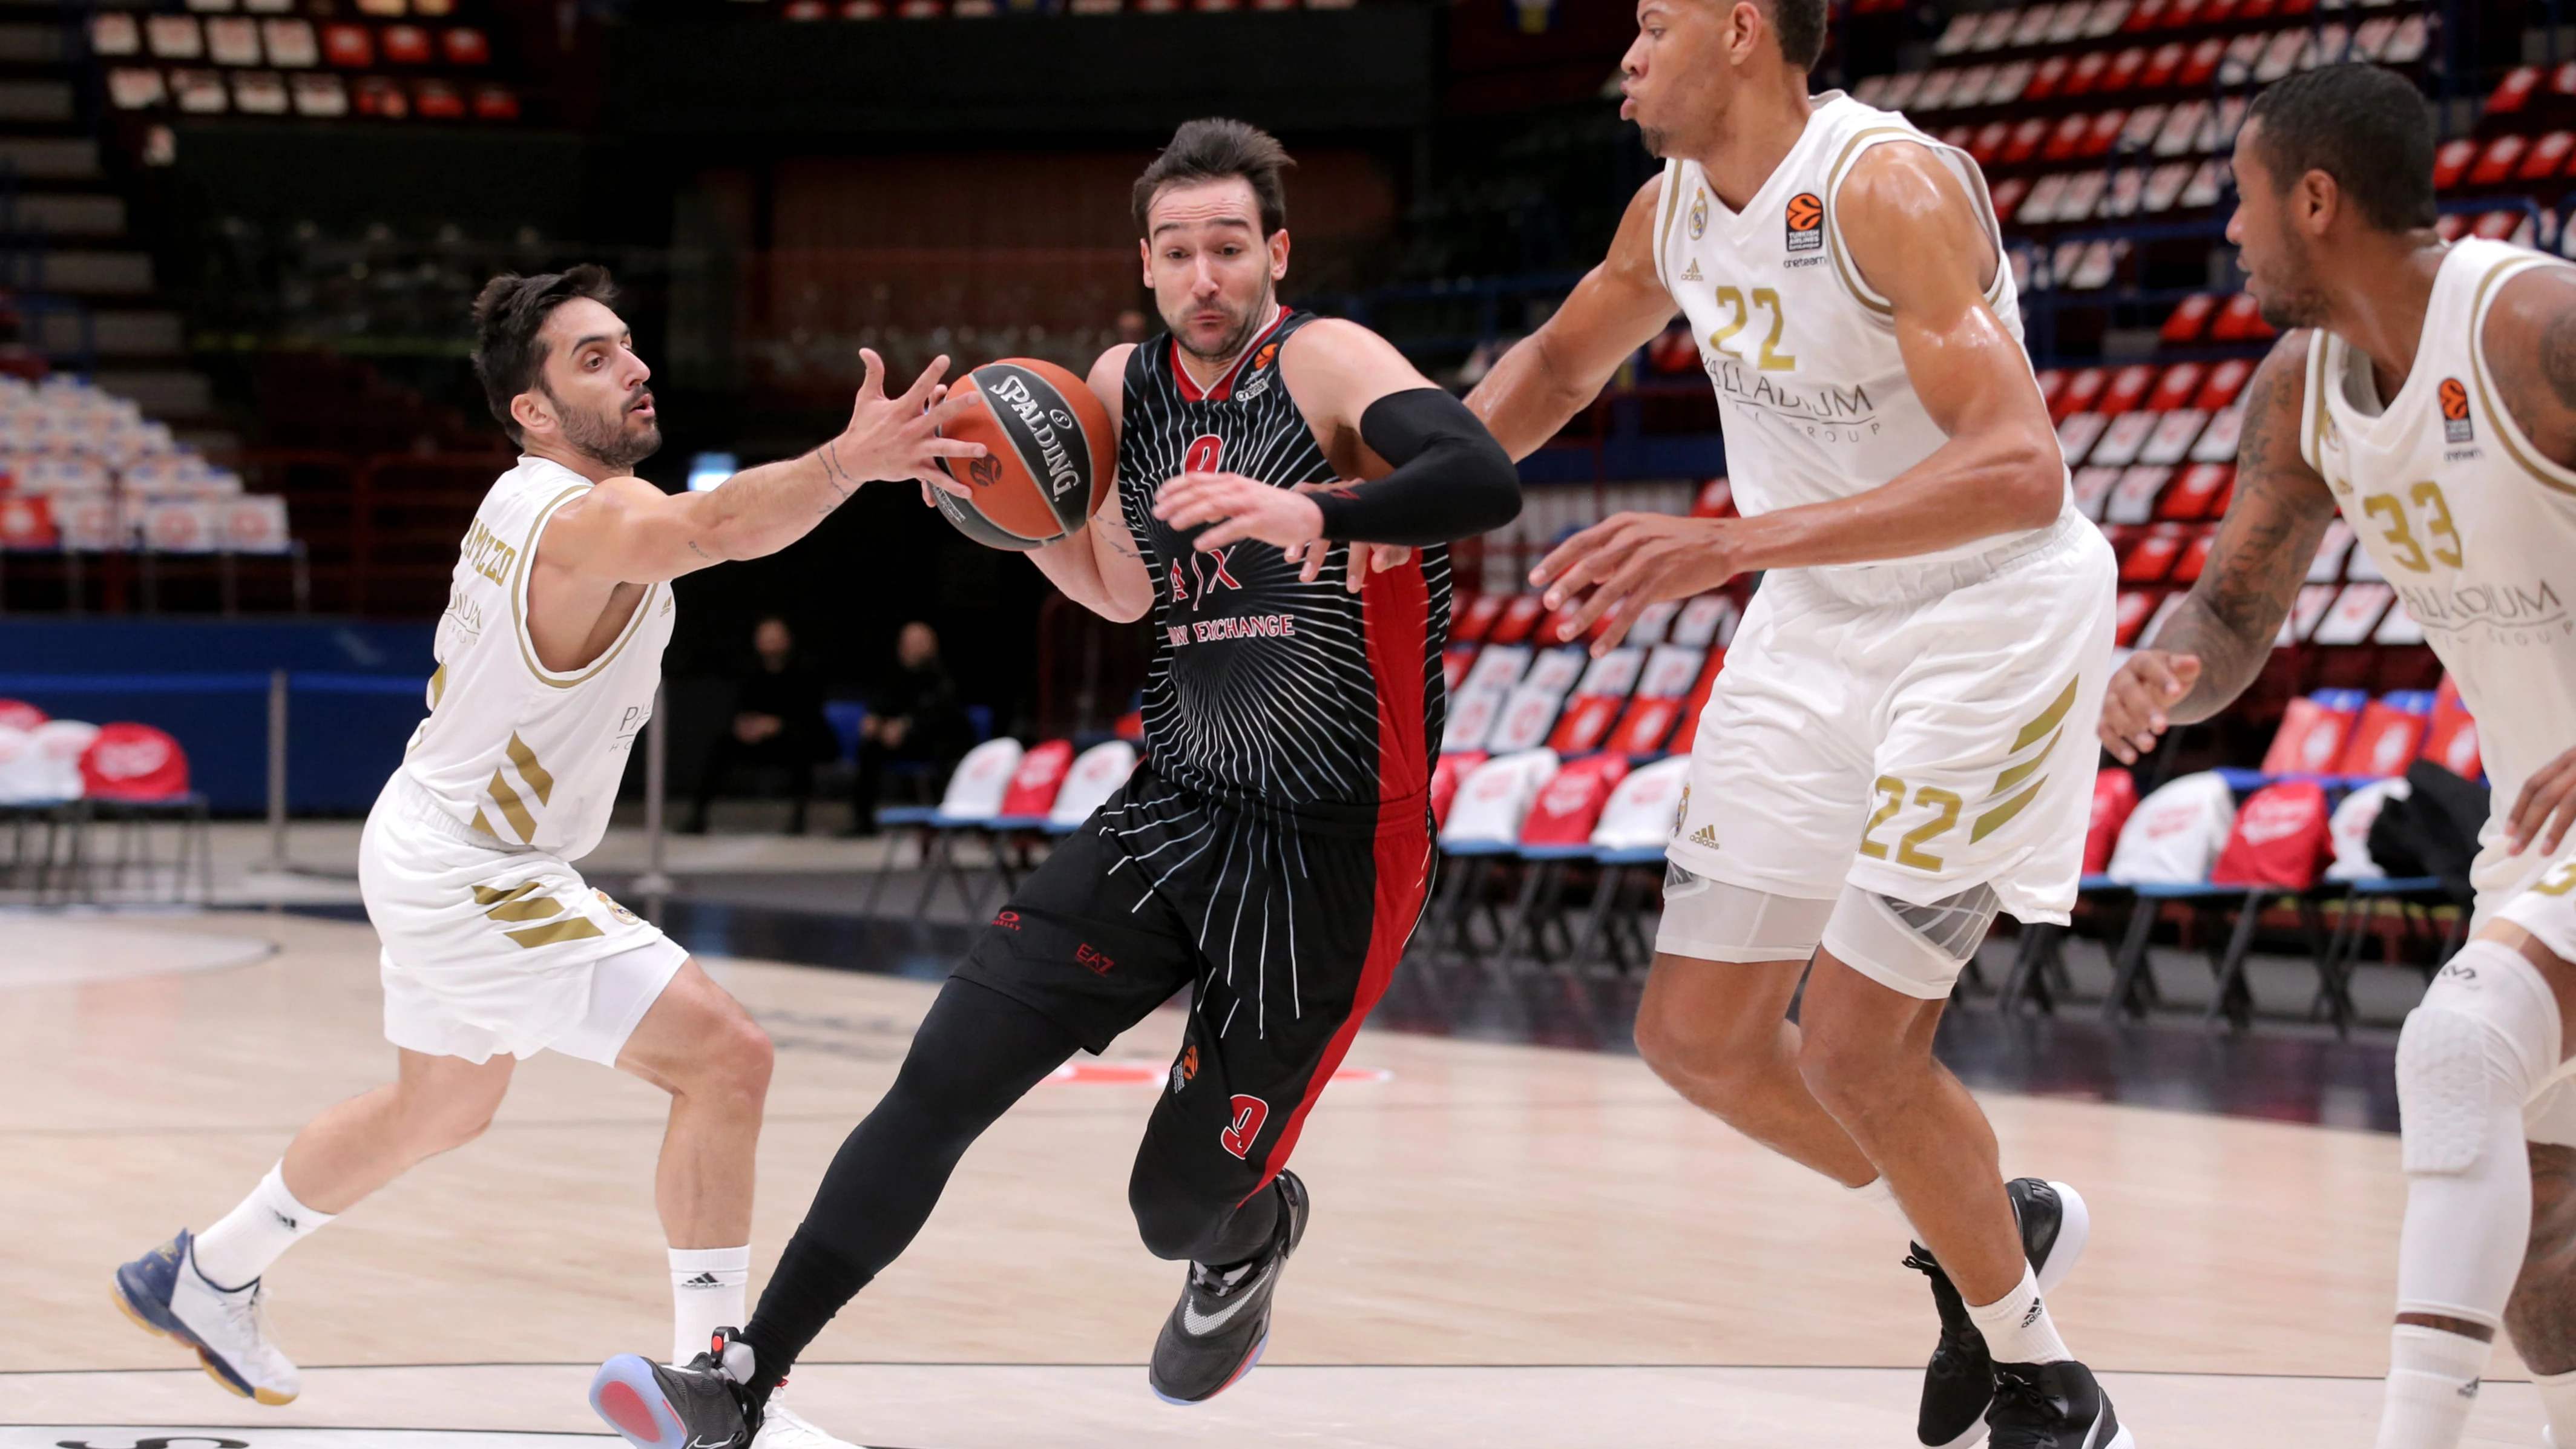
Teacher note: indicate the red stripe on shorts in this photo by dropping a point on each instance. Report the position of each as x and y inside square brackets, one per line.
[1395, 610]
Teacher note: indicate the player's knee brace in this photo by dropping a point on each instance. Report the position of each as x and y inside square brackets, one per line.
[1918, 950]
[2485, 1034]
[1712, 920]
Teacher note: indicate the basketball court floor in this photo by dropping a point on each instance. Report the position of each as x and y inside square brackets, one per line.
[1514, 1246]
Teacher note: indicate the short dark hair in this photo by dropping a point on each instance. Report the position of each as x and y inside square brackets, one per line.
[1212, 150]
[508, 313]
[1800, 26]
[2361, 125]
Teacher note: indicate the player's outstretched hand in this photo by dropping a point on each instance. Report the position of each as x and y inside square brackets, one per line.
[2133, 709]
[1236, 508]
[898, 437]
[1630, 560]
[2545, 808]
[1366, 558]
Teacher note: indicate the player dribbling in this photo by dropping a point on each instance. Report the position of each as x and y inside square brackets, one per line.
[1272, 852]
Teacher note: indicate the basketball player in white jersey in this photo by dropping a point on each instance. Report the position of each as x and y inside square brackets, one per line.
[548, 658]
[1896, 750]
[2430, 396]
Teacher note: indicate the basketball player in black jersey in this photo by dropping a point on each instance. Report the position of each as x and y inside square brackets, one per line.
[1272, 851]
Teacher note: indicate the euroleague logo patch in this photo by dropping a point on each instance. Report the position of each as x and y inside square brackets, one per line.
[1806, 214]
[2456, 427]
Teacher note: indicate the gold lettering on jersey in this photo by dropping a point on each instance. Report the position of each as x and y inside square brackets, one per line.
[1773, 359]
[2514, 613]
[1835, 414]
[487, 555]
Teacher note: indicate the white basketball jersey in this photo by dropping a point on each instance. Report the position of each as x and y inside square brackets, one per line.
[2474, 528]
[1812, 390]
[519, 752]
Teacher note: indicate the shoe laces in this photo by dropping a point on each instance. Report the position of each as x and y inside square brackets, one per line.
[1961, 1347]
[245, 1312]
[1218, 1282]
[2025, 1413]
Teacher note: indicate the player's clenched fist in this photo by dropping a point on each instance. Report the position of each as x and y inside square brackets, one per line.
[2134, 710]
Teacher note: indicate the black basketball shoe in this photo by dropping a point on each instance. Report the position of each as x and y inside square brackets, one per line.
[1216, 1333]
[1960, 1382]
[656, 1406]
[2054, 1406]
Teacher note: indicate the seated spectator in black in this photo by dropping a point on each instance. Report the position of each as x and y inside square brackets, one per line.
[913, 719]
[777, 723]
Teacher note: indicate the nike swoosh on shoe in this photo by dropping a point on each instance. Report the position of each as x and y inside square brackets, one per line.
[1203, 1324]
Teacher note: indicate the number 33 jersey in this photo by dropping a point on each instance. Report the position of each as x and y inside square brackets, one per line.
[2474, 528]
[1810, 383]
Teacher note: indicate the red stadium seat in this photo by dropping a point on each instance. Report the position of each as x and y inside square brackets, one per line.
[1694, 702]
[2514, 91]
[2384, 740]
[2451, 736]
[406, 45]
[1446, 772]
[2312, 734]
[2451, 162]
[1476, 620]
[351, 47]
[2280, 839]
[2497, 161]
[1569, 804]
[2225, 381]
[1034, 783]
[1520, 616]
[17, 714]
[2115, 796]
[465, 45]
[2183, 326]
[134, 763]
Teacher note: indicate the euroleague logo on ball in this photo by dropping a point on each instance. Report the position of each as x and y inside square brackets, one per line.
[1806, 216]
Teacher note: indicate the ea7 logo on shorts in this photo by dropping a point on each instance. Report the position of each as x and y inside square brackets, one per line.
[1249, 1114]
[1806, 222]
[1092, 959]
[2456, 427]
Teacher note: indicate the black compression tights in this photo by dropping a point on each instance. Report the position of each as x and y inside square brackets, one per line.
[977, 1052]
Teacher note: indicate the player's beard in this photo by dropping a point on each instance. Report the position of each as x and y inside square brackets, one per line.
[1237, 337]
[608, 441]
[2292, 297]
[1655, 139]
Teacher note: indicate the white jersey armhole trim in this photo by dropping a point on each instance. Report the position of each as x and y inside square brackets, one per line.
[2312, 407]
[1666, 206]
[1960, 163]
[519, 581]
[2509, 432]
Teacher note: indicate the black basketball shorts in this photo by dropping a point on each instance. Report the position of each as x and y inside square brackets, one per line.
[1284, 938]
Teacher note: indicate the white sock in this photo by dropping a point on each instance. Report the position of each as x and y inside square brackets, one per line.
[1877, 1194]
[237, 1250]
[2017, 1326]
[2432, 1385]
[2558, 1397]
[706, 1294]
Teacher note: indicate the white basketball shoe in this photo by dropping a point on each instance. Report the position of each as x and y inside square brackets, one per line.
[162, 1291]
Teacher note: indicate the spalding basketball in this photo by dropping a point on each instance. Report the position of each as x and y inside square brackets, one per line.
[1047, 461]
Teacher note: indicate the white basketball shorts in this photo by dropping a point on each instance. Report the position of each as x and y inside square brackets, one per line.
[1914, 731]
[489, 949]
[2538, 893]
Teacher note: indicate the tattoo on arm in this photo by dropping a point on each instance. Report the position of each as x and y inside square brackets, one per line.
[702, 553]
[1122, 550]
[2542, 1311]
[842, 484]
[2263, 549]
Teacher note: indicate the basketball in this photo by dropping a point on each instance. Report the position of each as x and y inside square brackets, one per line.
[1049, 459]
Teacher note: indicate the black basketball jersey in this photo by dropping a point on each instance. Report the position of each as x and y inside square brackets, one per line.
[1298, 703]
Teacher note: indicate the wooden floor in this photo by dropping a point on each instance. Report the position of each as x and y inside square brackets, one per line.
[1512, 1246]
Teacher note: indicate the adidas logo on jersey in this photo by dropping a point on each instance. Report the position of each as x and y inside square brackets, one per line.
[1691, 272]
[1705, 835]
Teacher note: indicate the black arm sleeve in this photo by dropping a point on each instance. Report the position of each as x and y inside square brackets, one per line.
[1451, 479]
